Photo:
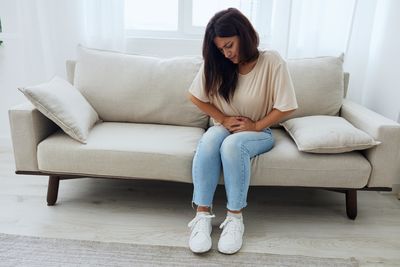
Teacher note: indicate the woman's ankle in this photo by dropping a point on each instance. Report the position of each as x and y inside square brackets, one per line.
[235, 211]
[203, 209]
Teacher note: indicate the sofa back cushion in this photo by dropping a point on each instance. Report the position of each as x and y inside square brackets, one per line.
[319, 85]
[131, 88]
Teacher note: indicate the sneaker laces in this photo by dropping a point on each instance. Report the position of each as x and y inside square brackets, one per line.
[231, 225]
[200, 222]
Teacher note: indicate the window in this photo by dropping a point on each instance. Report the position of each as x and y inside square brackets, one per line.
[142, 16]
[203, 10]
[295, 28]
[188, 18]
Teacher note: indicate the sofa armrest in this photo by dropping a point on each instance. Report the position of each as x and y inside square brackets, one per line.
[384, 158]
[28, 128]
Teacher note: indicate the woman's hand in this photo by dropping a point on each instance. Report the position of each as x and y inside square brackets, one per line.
[239, 124]
[230, 122]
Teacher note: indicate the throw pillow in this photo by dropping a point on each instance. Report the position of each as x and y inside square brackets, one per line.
[62, 103]
[327, 134]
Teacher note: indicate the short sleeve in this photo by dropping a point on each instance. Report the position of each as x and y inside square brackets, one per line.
[284, 95]
[197, 88]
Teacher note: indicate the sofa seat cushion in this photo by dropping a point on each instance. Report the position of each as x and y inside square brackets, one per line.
[150, 151]
[166, 152]
[285, 165]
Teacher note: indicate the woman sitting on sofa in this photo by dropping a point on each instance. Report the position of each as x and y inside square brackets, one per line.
[245, 91]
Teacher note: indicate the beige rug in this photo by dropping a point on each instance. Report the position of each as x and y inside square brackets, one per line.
[16, 250]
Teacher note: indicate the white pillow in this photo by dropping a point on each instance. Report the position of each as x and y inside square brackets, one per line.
[62, 103]
[327, 134]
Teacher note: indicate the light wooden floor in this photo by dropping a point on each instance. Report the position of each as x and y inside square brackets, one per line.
[278, 220]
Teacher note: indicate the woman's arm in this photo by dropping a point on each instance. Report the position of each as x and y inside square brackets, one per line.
[227, 121]
[207, 108]
[273, 117]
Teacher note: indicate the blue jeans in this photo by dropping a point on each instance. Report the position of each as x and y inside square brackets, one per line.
[219, 148]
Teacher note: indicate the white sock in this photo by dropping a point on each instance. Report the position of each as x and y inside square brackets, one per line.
[203, 212]
[235, 215]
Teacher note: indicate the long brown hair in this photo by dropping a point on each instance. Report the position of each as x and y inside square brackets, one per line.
[221, 74]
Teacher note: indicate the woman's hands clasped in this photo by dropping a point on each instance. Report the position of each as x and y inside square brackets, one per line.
[236, 124]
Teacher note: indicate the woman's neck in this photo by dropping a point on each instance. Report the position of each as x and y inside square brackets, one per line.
[246, 67]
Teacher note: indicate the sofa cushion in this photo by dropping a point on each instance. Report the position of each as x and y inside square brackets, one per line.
[285, 165]
[319, 85]
[327, 134]
[131, 88]
[162, 152]
[59, 101]
[166, 153]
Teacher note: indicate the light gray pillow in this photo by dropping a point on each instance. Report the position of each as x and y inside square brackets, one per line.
[140, 89]
[327, 134]
[319, 86]
[62, 103]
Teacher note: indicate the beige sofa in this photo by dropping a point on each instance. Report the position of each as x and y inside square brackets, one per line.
[150, 130]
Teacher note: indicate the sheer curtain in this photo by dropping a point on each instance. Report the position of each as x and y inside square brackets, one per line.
[308, 28]
[103, 22]
[48, 32]
[39, 35]
[51, 29]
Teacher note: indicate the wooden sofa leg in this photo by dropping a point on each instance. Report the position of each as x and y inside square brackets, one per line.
[52, 190]
[351, 203]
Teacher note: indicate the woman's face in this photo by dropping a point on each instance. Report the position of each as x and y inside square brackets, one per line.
[229, 47]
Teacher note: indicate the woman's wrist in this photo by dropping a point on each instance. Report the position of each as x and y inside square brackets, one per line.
[221, 119]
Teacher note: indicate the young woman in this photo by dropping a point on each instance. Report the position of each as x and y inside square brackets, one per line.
[245, 91]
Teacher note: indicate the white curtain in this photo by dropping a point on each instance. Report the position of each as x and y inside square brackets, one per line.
[51, 29]
[365, 31]
[308, 28]
[46, 32]
[39, 35]
[104, 24]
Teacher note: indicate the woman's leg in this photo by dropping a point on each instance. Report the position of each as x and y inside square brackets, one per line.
[206, 168]
[236, 152]
[206, 171]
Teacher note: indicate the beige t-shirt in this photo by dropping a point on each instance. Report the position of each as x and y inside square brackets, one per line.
[267, 86]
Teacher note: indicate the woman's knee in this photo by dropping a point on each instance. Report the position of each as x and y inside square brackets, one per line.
[231, 146]
[212, 139]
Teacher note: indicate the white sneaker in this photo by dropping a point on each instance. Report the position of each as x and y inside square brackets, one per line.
[200, 238]
[232, 236]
